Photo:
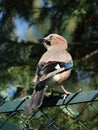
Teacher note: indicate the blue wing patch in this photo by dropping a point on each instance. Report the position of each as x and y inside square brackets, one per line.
[68, 65]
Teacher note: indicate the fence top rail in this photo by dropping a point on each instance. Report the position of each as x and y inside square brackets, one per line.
[53, 100]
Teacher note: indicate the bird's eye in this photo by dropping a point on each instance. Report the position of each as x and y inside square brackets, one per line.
[51, 37]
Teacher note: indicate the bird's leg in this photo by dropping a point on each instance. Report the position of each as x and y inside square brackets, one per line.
[65, 92]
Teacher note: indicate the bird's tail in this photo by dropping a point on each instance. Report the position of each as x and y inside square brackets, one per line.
[36, 99]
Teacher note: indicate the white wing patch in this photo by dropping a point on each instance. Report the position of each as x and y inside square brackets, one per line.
[57, 66]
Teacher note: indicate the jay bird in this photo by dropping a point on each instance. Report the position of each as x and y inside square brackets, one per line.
[54, 65]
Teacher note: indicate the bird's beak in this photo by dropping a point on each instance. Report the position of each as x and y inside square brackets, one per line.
[41, 40]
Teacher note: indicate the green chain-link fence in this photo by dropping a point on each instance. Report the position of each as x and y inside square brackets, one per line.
[78, 111]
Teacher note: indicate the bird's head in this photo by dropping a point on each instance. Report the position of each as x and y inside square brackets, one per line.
[54, 40]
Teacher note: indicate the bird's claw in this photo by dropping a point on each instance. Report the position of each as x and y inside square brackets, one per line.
[66, 94]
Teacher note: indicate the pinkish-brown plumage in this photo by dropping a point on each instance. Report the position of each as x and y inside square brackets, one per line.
[51, 61]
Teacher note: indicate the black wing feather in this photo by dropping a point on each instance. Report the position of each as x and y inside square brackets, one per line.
[48, 67]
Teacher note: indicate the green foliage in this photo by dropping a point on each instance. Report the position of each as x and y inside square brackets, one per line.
[21, 75]
[76, 20]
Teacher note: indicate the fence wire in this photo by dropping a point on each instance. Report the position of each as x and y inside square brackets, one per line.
[82, 116]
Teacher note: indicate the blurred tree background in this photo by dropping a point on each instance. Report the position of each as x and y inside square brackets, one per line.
[23, 22]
